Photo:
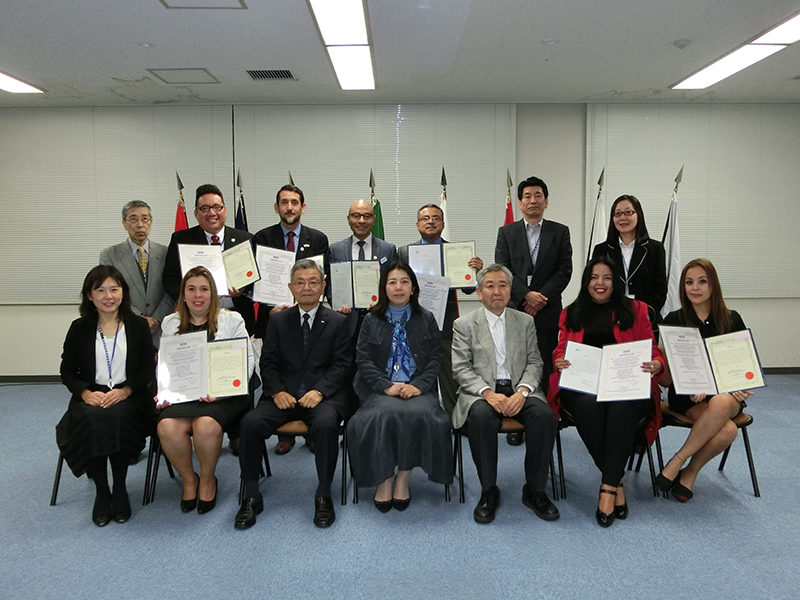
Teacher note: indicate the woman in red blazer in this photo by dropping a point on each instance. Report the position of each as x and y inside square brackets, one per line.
[602, 315]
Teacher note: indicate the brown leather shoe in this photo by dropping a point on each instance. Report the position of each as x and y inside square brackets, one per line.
[284, 445]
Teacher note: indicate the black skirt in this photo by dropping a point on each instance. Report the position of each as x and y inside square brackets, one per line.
[226, 411]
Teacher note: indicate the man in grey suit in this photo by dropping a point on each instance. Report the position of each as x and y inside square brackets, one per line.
[141, 263]
[497, 365]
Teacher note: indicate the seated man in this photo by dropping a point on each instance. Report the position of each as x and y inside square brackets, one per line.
[305, 360]
[497, 365]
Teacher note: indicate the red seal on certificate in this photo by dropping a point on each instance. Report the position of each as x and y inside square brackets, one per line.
[374, 298]
[237, 382]
[467, 276]
[749, 375]
[249, 273]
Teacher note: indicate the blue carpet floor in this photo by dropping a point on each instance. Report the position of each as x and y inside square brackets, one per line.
[725, 543]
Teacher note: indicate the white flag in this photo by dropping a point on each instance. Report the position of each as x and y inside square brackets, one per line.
[672, 246]
[598, 233]
[443, 206]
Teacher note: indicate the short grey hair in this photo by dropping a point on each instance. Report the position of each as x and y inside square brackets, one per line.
[135, 204]
[493, 269]
[306, 263]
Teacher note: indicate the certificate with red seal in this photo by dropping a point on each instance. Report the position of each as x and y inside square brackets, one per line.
[240, 266]
[456, 256]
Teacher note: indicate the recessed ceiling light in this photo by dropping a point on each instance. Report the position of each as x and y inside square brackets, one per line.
[786, 33]
[146, 45]
[727, 66]
[15, 86]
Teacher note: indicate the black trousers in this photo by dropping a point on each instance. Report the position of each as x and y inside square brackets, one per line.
[607, 428]
[483, 425]
[261, 422]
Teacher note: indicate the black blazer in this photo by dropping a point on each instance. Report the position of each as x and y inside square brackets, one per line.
[78, 360]
[647, 275]
[323, 366]
[311, 242]
[375, 345]
[553, 266]
[171, 276]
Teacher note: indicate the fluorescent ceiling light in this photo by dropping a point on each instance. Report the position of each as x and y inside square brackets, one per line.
[727, 66]
[786, 33]
[341, 22]
[353, 66]
[15, 86]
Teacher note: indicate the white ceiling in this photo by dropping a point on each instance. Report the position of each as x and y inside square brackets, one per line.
[90, 53]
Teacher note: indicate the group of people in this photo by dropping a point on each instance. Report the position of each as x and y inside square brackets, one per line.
[379, 371]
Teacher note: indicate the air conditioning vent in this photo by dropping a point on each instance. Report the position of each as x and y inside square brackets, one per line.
[271, 74]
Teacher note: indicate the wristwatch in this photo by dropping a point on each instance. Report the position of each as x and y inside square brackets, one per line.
[524, 391]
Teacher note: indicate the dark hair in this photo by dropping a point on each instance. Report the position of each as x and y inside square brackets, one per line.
[436, 206]
[213, 308]
[719, 312]
[641, 228]
[94, 279]
[290, 188]
[383, 298]
[530, 182]
[621, 305]
[207, 188]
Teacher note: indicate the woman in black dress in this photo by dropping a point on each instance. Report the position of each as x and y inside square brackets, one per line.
[400, 424]
[702, 306]
[108, 365]
[641, 260]
[201, 422]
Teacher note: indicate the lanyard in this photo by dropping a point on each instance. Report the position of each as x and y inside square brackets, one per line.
[109, 361]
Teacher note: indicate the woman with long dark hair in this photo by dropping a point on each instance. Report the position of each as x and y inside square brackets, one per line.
[602, 315]
[641, 259]
[108, 365]
[702, 306]
[201, 423]
[400, 424]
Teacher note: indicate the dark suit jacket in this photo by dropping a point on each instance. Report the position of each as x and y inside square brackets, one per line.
[647, 274]
[553, 266]
[78, 360]
[375, 345]
[323, 366]
[172, 267]
[382, 251]
[310, 243]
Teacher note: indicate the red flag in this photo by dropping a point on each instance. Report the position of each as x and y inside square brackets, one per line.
[181, 222]
[509, 210]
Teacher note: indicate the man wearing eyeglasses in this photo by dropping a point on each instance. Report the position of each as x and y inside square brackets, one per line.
[210, 212]
[430, 224]
[141, 263]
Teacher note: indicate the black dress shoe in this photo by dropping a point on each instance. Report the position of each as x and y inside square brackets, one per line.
[204, 506]
[246, 517]
[515, 438]
[539, 503]
[621, 511]
[189, 505]
[487, 506]
[121, 507]
[401, 505]
[284, 445]
[383, 505]
[101, 511]
[680, 492]
[324, 516]
[605, 519]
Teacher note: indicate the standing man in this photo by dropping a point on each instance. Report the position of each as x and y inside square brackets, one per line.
[539, 254]
[141, 262]
[497, 365]
[305, 242]
[210, 212]
[430, 224]
[304, 363]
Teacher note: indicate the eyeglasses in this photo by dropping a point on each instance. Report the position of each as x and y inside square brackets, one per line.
[217, 208]
[359, 216]
[628, 213]
[301, 283]
[431, 218]
[143, 220]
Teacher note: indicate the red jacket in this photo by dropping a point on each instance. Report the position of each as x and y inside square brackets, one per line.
[641, 330]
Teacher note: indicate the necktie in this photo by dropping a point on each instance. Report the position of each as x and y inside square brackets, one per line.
[215, 240]
[361, 255]
[306, 328]
[142, 262]
[290, 243]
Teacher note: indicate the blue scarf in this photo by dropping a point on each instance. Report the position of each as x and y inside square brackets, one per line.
[399, 365]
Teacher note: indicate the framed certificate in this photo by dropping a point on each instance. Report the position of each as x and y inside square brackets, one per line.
[456, 255]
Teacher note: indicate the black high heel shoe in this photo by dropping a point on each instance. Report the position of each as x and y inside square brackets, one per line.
[621, 511]
[204, 506]
[383, 505]
[189, 505]
[680, 492]
[605, 519]
[662, 483]
[401, 505]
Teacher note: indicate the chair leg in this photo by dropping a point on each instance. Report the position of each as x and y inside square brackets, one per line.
[169, 467]
[266, 460]
[149, 473]
[750, 463]
[560, 465]
[660, 459]
[447, 492]
[57, 479]
[154, 476]
[344, 466]
[724, 458]
[553, 477]
[652, 468]
[459, 452]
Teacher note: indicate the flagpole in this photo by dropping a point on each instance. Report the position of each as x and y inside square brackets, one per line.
[599, 216]
[443, 206]
[672, 247]
[377, 227]
[509, 218]
[181, 222]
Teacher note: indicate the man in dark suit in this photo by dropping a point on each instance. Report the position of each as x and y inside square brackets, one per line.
[430, 224]
[304, 363]
[210, 212]
[290, 235]
[141, 263]
[539, 254]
